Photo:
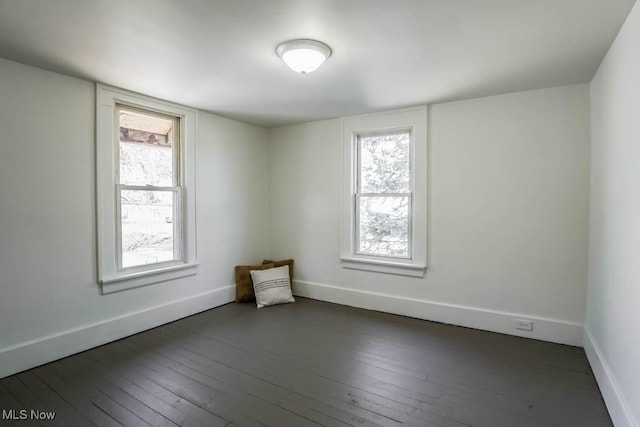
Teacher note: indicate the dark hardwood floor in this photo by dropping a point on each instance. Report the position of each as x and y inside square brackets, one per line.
[312, 363]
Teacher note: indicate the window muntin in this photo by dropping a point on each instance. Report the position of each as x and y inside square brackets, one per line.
[148, 188]
[383, 194]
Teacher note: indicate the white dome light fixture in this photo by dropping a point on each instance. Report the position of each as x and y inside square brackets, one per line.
[303, 55]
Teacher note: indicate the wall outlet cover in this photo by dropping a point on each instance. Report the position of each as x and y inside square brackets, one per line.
[524, 324]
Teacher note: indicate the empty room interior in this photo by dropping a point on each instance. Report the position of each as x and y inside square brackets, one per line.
[320, 213]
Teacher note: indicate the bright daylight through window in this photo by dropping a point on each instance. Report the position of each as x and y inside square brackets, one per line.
[149, 194]
[383, 197]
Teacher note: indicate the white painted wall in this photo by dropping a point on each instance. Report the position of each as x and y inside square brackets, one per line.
[612, 339]
[47, 222]
[508, 222]
[508, 231]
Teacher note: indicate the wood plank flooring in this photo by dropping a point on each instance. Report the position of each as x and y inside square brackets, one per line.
[312, 364]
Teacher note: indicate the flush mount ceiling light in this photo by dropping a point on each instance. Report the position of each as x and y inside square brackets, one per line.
[303, 55]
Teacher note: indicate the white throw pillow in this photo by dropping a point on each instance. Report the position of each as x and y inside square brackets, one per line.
[272, 286]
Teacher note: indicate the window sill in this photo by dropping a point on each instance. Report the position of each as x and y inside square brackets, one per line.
[148, 277]
[386, 267]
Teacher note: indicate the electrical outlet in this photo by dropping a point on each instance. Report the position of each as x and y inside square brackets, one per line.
[524, 325]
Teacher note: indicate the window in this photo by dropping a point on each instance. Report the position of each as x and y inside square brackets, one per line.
[383, 194]
[146, 209]
[385, 162]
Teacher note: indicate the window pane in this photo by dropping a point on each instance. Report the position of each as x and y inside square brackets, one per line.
[146, 149]
[147, 227]
[384, 163]
[384, 226]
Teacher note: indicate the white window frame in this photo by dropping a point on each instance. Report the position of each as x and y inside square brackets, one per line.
[111, 275]
[413, 120]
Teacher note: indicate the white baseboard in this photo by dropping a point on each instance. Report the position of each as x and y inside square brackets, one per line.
[545, 329]
[29, 354]
[619, 408]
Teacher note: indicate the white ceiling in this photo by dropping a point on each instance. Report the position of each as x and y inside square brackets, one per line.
[219, 55]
